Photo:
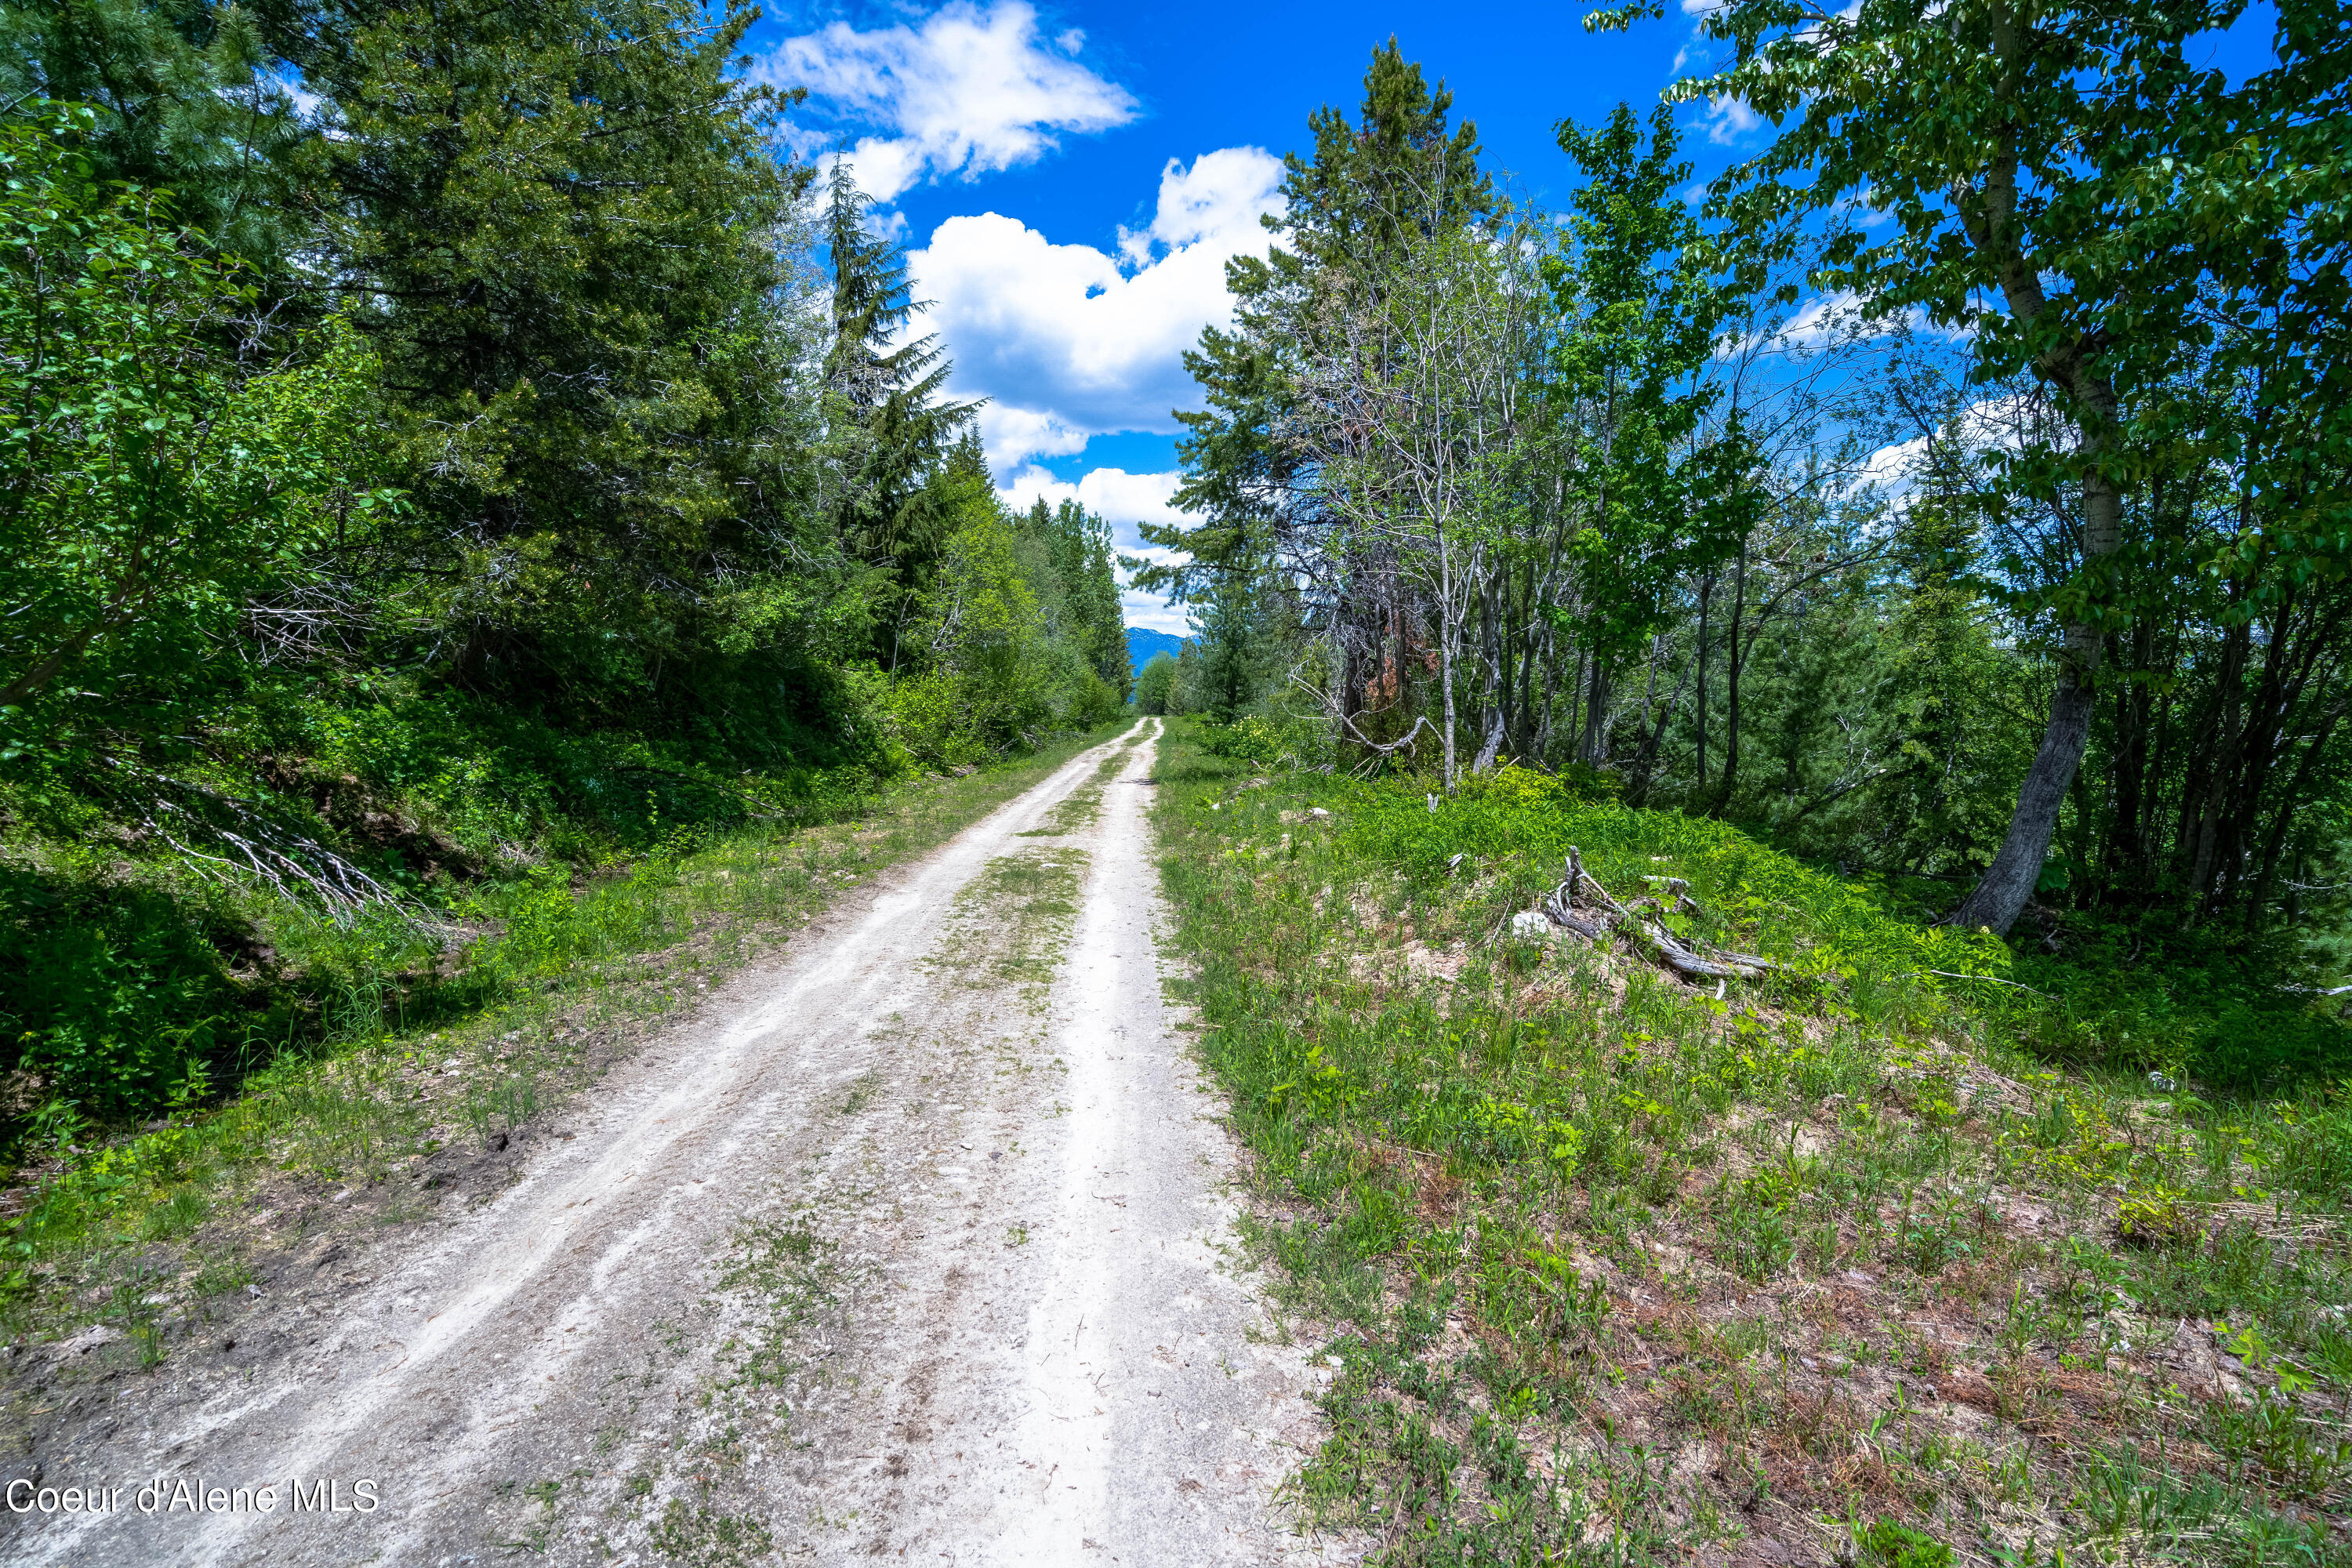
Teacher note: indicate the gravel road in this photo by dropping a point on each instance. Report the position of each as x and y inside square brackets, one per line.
[914, 1243]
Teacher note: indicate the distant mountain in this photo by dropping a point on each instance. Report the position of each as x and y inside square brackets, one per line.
[1141, 645]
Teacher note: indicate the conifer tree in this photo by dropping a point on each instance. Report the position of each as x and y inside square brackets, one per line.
[184, 97]
[1078, 553]
[888, 429]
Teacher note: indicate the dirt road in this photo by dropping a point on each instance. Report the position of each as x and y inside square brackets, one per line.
[913, 1245]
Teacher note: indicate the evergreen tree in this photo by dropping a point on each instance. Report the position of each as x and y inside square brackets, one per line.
[1233, 646]
[1087, 609]
[186, 98]
[1401, 166]
[568, 262]
[887, 426]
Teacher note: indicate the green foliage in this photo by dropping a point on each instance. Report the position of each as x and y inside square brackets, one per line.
[1153, 686]
[181, 97]
[114, 996]
[150, 487]
[1633, 282]
[886, 429]
[1065, 554]
[1487, 1164]
[1267, 741]
[486, 501]
[1820, 924]
[1887, 1544]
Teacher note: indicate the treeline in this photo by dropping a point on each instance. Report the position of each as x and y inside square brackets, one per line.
[447, 446]
[1954, 490]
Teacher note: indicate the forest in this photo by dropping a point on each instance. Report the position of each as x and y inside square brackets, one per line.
[1953, 494]
[1744, 876]
[446, 463]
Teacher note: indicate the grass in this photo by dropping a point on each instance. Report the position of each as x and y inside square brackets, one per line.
[138, 1231]
[1082, 808]
[1615, 1270]
[1013, 919]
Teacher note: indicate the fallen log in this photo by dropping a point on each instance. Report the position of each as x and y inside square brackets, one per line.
[1560, 906]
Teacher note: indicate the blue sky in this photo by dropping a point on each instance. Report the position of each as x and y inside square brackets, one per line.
[1070, 179]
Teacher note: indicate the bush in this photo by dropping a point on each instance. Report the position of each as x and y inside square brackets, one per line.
[1268, 740]
[1154, 686]
[113, 997]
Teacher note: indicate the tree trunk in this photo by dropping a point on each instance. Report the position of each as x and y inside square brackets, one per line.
[1990, 218]
[2126, 852]
[1594, 746]
[1493, 695]
[1445, 649]
[1706, 594]
[2000, 897]
[1646, 764]
[1732, 658]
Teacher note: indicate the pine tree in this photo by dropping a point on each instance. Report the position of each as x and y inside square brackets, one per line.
[888, 429]
[1078, 548]
[1232, 644]
[187, 99]
[568, 262]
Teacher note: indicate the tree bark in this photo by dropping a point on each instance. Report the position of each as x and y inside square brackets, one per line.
[1446, 649]
[1594, 746]
[1493, 695]
[2001, 896]
[1705, 593]
[1990, 220]
[1732, 658]
[2127, 852]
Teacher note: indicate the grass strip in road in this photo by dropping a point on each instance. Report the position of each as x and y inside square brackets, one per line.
[1827, 1268]
[150, 1238]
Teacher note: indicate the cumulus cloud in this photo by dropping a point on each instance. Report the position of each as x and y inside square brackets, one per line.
[1121, 498]
[1009, 434]
[1069, 340]
[1727, 120]
[1124, 500]
[1895, 471]
[1835, 321]
[1842, 317]
[969, 91]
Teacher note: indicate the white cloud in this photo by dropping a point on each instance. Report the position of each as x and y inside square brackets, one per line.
[1221, 194]
[1993, 425]
[1727, 119]
[1827, 318]
[1122, 499]
[1069, 340]
[1009, 434]
[969, 91]
[1841, 319]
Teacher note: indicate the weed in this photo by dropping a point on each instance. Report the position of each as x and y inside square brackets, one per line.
[1886, 1544]
[512, 1020]
[1838, 1224]
[177, 1216]
[694, 1536]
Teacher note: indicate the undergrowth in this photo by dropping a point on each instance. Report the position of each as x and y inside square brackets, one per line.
[135, 1229]
[1839, 1266]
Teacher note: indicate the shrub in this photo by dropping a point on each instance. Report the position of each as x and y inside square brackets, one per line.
[112, 997]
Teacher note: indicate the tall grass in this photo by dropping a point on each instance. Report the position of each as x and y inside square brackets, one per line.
[1616, 1270]
[548, 987]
